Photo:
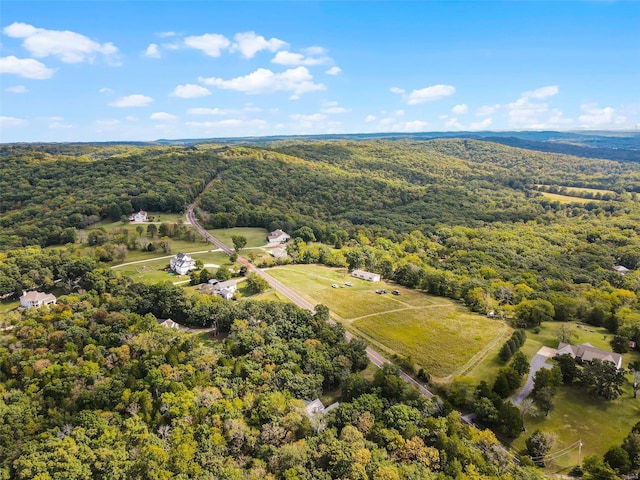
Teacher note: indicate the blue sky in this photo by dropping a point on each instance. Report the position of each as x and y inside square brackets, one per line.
[106, 71]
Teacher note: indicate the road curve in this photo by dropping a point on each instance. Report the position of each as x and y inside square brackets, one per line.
[377, 359]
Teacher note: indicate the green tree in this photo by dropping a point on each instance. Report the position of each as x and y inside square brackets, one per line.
[305, 233]
[602, 378]
[239, 242]
[256, 284]
[520, 363]
[223, 274]
[568, 368]
[539, 444]
[152, 230]
[531, 313]
[618, 459]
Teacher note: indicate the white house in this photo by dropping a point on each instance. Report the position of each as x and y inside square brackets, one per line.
[182, 264]
[226, 289]
[586, 352]
[316, 406]
[368, 276]
[168, 323]
[621, 269]
[278, 236]
[36, 299]
[141, 216]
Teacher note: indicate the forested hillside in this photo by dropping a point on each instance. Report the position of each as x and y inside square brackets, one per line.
[94, 388]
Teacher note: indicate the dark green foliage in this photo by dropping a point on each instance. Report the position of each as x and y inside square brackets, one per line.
[602, 378]
[538, 445]
[239, 242]
[520, 363]
[568, 368]
[507, 382]
[547, 378]
[618, 459]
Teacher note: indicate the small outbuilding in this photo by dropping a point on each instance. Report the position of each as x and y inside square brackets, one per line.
[141, 216]
[364, 275]
[168, 323]
[36, 299]
[621, 269]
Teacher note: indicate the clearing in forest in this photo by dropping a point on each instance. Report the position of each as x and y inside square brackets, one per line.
[437, 333]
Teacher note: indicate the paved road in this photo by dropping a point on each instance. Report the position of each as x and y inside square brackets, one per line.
[537, 362]
[377, 359]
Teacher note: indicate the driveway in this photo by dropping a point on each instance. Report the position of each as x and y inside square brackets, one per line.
[538, 361]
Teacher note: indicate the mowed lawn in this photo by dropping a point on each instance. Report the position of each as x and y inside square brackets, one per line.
[256, 237]
[438, 334]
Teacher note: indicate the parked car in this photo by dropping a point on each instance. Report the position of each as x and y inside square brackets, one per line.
[348, 284]
[396, 292]
[335, 285]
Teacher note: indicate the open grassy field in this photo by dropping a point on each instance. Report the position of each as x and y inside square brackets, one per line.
[256, 237]
[438, 334]
[577, 415]
[8, 305]
[567, 199]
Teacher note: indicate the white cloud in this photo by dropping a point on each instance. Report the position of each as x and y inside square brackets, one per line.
[248, 43]
[70, 47]
[487, 110]
[314, 117]
[211, 44]
[131, 118]
[290, 58]
[11, 122]
[542, 92]
[427, 94]
[413, 126]
[105, 90]
[167, 34]
[132, 101]
[17, 89]
[296, 80]
[452, 123]
[460, 109]
[593, 116]
[484, 124]
[370, 118]
[59, 125]
[162, 116]
[190, 90]
[230, 123]
[524, 113]
[107, 123]
[335, 110]
[25, 67]
[209, 111]
[152, 51]
[333, 71]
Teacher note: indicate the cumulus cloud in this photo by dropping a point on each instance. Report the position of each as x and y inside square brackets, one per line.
[452, 123]
[296, 80]
[162, 116]
[105, 90]
[70, 47]
[136, 100]
[248, 44]
[107, 123]
[314, 117]
[209, 111]
[429, 94]
[152, 51]
[210, 44]
[190, 90]
[167, 34]
[25, 67]
[413, 126]
[334, 109]
[370, 118]
[487, 110]
[17, 89]
[593, 116]
[460, 109]
[484, 124]
[397, 90]
[526, 114]
[11, 121]
[290, 58]
[542, 92]
[333, 71]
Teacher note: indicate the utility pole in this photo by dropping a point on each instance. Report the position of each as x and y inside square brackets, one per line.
[579, 450]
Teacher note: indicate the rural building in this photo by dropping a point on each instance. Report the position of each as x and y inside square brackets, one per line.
[226, 289]
[168, 323]
[141, 216]
[182, 264]
[364, 275]
[621, 269]
[278, 236]
[278, 253]
[586, 352]
[36, 299]
[317, 407]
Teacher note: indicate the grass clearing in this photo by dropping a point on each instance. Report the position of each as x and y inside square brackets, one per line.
[438, 334]
[567, 198]
[7, 305]
[256, 237]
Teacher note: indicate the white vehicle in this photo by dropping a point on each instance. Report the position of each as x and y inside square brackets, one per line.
[335, 285]
[348, 284]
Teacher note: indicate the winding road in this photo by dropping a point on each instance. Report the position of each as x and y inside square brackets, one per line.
[377, 359]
